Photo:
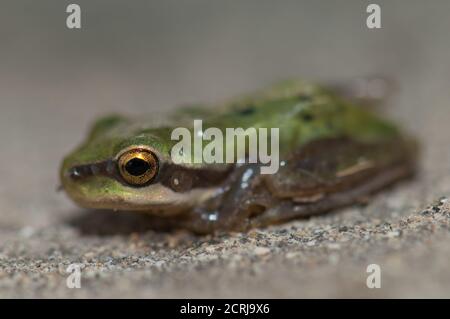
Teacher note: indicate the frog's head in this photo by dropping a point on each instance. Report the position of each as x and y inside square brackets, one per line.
[123, 166]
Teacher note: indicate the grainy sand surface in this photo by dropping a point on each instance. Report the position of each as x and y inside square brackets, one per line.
[149, 57]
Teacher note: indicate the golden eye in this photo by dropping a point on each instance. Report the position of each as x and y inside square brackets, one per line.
[138, 166]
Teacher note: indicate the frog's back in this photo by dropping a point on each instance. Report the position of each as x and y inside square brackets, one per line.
[303, 113]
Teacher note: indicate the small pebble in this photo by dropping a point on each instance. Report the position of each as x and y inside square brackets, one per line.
[260, 251]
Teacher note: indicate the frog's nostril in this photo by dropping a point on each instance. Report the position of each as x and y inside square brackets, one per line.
[74, 173]
[78, 172]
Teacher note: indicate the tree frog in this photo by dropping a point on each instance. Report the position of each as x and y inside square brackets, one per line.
[332, 153]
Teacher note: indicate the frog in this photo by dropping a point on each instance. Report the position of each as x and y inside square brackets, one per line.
[333, 153]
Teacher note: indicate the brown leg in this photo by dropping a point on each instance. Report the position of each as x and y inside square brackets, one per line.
[288, 209]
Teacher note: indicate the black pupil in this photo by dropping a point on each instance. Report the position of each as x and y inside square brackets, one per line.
[137, 166]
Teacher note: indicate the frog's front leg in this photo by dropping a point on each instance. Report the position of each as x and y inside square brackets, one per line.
[244, 197]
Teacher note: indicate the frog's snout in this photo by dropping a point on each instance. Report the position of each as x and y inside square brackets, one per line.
[78, 172]
[73, 176]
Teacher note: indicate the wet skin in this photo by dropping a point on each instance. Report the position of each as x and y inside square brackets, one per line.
[332, 153]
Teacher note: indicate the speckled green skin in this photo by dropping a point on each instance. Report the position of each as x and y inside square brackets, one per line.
[304, 113]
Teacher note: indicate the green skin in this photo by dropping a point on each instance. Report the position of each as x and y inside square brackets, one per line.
[334, 154]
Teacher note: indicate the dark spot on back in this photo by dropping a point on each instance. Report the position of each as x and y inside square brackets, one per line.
[330, 125]
[304, 98]
[306, 116]
[247, 111]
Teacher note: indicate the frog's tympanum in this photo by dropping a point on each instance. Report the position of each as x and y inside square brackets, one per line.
[331, 153]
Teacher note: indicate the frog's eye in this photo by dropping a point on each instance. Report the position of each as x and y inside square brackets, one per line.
[138, 167]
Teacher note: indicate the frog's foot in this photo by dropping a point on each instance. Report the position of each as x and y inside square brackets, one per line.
[233, 214]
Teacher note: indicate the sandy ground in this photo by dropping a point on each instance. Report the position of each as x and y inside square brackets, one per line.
[153, 56]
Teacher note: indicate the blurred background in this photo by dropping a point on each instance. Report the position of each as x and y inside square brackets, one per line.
[138, 57]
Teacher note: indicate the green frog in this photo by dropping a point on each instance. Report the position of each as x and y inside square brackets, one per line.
[332, 153]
